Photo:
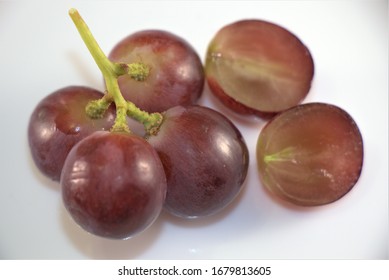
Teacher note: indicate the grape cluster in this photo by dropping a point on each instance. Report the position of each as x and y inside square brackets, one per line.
[188, 159]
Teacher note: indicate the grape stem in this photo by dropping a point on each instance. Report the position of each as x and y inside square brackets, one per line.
[111, 72]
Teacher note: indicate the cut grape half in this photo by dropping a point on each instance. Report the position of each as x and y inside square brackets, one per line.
[257, 67]
[311, 154]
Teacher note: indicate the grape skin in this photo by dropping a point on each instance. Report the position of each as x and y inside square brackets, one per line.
[205, 160]
[58, 122]
[113, 184]
[311, 154]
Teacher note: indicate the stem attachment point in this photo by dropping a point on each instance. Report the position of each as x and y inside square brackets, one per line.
[111, 71]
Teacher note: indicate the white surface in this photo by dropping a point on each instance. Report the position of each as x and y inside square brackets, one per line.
[41, 51]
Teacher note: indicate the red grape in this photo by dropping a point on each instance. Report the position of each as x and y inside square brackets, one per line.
[311, 154]
[257, 67]
[176, 76]
[205, 160]
[58, 122]
[113, 184]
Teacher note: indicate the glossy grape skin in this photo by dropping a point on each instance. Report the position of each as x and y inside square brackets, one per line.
[58, 122]
[311, 154]
[113, 184]
[176, 76]
[205, 159]
[257, 67]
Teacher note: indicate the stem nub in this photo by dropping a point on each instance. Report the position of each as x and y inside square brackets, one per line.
[111, 71]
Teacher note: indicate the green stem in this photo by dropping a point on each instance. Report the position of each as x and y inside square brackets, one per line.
[106, 67]
[111, 71]
[96, 108]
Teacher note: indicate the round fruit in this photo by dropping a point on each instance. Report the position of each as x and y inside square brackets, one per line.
[113, 184]
[257, 67]
[176, 73]
[311, 154]
[205, 160]
[58, 122]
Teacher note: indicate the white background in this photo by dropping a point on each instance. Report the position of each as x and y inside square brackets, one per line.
[41, 51]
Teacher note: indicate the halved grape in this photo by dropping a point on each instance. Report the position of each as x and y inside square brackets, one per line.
[257, 67]
[311, 154]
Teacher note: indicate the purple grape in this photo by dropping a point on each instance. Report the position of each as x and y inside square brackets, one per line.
[205, 160]
[176, 76]
[58, 122]
[113, 184]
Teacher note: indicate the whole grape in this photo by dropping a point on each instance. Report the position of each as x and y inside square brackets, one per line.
[58, 122]
[257, 67]
[311, 154]
[205, 159]
[176, 73]
[113, 184]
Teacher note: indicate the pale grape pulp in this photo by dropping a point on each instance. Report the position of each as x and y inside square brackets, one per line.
[257, 67]
[311, 154]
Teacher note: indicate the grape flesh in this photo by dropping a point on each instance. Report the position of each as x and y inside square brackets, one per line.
[176, 76]
[58, 122]
[205, 160]
[113, 184]
[311, 154]
[257, 67]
